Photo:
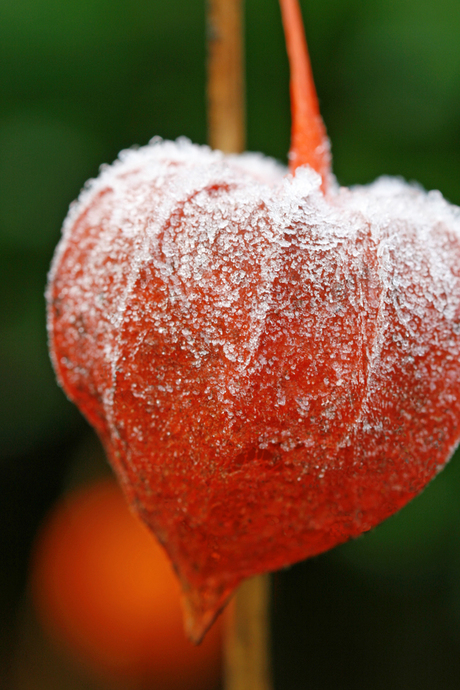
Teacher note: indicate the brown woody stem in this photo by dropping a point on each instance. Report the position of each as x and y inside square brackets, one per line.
[226, 102]
[247, 641]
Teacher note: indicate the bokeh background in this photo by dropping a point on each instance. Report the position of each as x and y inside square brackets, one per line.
[81, 80]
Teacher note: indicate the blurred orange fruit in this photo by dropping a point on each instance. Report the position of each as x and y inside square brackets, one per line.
[103, 588]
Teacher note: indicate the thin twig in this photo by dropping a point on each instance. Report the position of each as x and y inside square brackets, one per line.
[247, 643]
[226, 102]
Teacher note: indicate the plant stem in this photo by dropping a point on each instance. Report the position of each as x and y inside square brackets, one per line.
[226, 102]
[247, 642]
[309, 142]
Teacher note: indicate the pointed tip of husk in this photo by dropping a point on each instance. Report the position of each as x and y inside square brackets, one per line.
[201, 607]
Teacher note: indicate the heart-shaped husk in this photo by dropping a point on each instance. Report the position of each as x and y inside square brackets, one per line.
[271, 370]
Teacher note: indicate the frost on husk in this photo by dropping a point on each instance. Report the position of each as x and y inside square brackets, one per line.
[272, 371]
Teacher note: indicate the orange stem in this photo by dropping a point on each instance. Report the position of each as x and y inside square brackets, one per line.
[309, 142]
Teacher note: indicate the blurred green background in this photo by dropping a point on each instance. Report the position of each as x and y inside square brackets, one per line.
[81, 80]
